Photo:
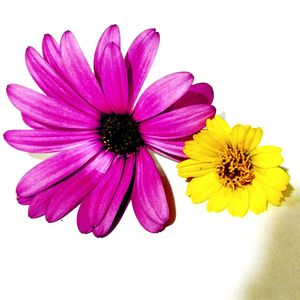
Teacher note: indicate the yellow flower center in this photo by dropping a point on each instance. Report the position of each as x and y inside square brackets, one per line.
[235, 168]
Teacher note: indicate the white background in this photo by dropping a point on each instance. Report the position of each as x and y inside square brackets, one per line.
[250, 52]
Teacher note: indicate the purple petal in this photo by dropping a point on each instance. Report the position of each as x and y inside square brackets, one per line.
[111, 34]
[24, 200]
[165, 154]
[148, 195]
[139, 59]
[60, 199]
[69, 193]
[94, 207]
[55, 169]
[178, 123]
[161, 95]
[47, 110]
[33, 123]
[38, 205]
[171, 147]
[80, 74]
[114, 78]
[145, 220]
[53, 85]
[109, 220]
[46, 141]
[51, 53]
[199, 93]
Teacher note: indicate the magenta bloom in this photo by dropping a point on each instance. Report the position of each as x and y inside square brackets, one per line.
[102, 131]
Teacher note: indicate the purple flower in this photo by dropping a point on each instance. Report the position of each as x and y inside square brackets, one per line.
[102, 131]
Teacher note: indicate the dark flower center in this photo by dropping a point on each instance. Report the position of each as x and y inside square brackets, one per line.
[120, 134]
[235, 168]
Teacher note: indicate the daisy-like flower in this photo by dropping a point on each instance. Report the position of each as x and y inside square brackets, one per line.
[101, 132]
[227, 168]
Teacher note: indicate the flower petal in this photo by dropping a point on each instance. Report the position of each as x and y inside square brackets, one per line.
[195, 151]
[39, 203]
[139, 59]
[161, 95]
[114, 78]
[199, 93]
[47, 110]
[55, 169]
[33, 123]
[80, 74]
[220, 128]
[111, 34]
[201, 188]
[148, 195]
[209, 141]
[146, 220]
[24, 200]
[238, 135]
[191, 168]
[53, 85]
[272, 195]
[219, 199]
[164, 154]
[52, 55]
[117, 204]
[60, 199]
[178, 123]
[239, 203]
[46, 141]
[276, 177]
[266, 157]
[172, 147]
[70, 192]
[94, 207]
[252, 139]
[257, 199]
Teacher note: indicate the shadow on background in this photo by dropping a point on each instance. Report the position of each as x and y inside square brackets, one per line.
[41, 156]
[278, 277]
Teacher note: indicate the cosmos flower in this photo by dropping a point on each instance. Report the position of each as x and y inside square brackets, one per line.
[102, 130]
[227, 167]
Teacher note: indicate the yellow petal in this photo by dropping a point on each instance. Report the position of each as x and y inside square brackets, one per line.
[239, 203]
[238, 135]
[196, 173]
[273, 196]
[257, 198]
[194, 167]
[265, 149]
[198, 185]
[198, 155]
[200, 151]
[217, 123]
[220, 127]
[187, 162]
[220, 200]
[275, 178]
[210, 140]
[206, 193]
[266, 157]
[196, 148]
[252, 139]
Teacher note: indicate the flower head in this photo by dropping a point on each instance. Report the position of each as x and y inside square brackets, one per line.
[102, 130]
[228, 169]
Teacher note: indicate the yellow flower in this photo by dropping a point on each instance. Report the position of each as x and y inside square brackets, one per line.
[228, 169]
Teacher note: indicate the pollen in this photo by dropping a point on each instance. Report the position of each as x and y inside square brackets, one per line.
[235, 168]
[120, 134]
